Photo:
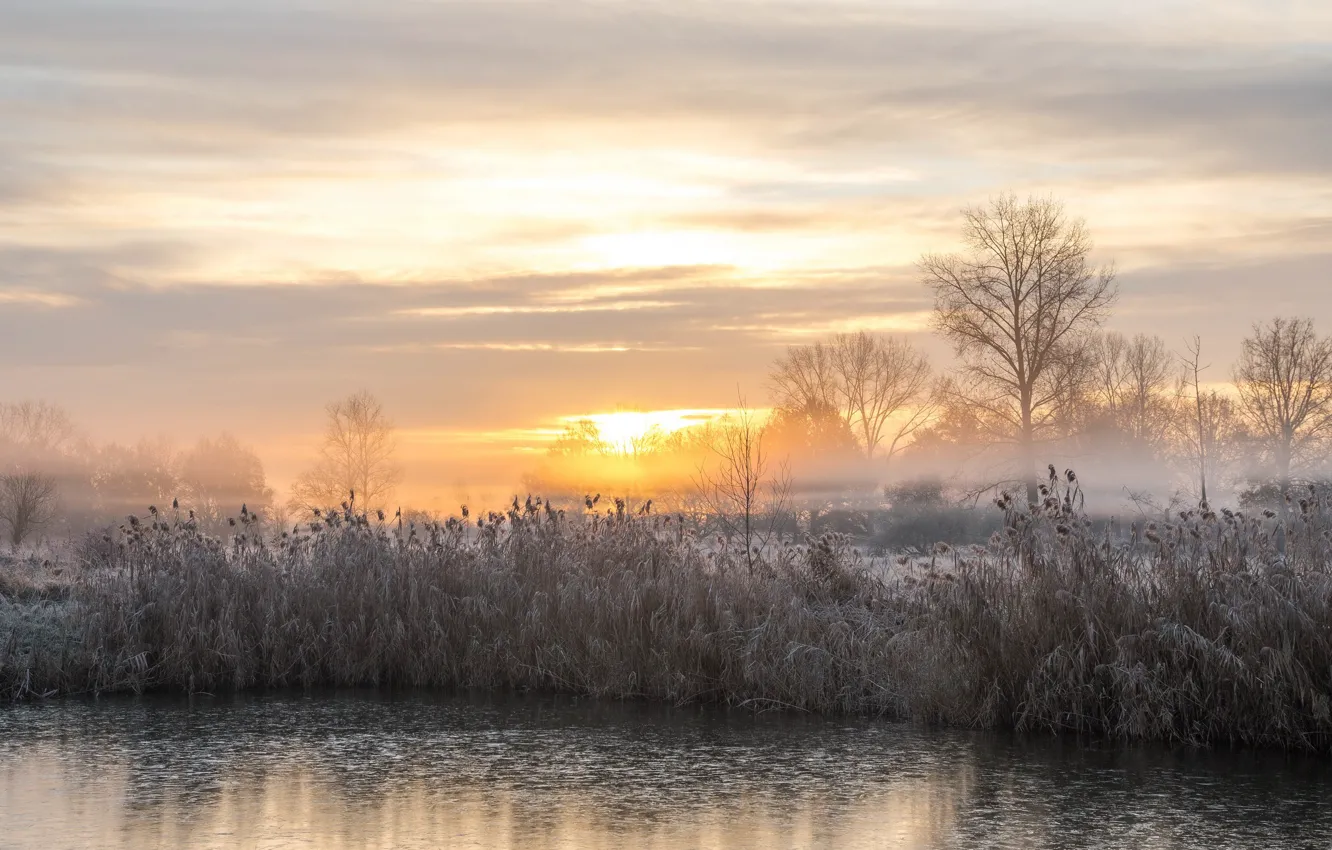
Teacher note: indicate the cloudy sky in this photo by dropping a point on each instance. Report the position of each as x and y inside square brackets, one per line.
[221, 215]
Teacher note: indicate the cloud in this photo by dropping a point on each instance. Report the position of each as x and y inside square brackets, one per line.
[492, 211]
[527, 309]
[214, 76]
[37, 299]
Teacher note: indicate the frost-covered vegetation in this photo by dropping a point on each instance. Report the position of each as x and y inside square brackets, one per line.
[1209, 627]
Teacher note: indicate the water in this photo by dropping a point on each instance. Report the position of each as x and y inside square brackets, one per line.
[368, 770]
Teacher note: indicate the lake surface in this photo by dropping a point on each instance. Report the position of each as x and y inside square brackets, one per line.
[368, 770]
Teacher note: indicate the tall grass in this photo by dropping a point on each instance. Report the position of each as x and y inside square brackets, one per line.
[1213, 627]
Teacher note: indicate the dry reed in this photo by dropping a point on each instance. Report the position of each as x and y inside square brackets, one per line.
[1213, 627]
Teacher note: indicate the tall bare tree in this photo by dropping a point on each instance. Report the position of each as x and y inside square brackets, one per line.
[880, 386]
[27, 502]
[1284, 379]
[1018, 306]
[356, 457]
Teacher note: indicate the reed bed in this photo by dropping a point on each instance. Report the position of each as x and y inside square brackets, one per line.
[1212, 627]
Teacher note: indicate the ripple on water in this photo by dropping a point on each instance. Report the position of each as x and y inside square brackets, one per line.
[360, 769]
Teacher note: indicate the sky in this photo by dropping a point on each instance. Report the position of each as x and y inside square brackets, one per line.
[499, 215]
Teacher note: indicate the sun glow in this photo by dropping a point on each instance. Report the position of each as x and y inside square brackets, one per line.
[626, 430]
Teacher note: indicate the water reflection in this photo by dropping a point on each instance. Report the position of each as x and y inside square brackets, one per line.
[426, 770]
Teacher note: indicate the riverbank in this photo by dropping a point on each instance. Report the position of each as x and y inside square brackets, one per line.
[1198, 631]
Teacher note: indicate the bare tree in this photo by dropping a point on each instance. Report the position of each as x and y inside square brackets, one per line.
[741, 488]
[1203, 433]
[579, 439]
[219, 476]
[1211, 436]
[881, 378]
[27, 502]
[1284, 379]
[356, 457]
[1147, 401]
[805, 378]
[1131, 380]
[1109, 374]
[873, 382]
[37, 427]
[1018, 307]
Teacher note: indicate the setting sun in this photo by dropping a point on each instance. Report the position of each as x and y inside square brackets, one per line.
[623, 430]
